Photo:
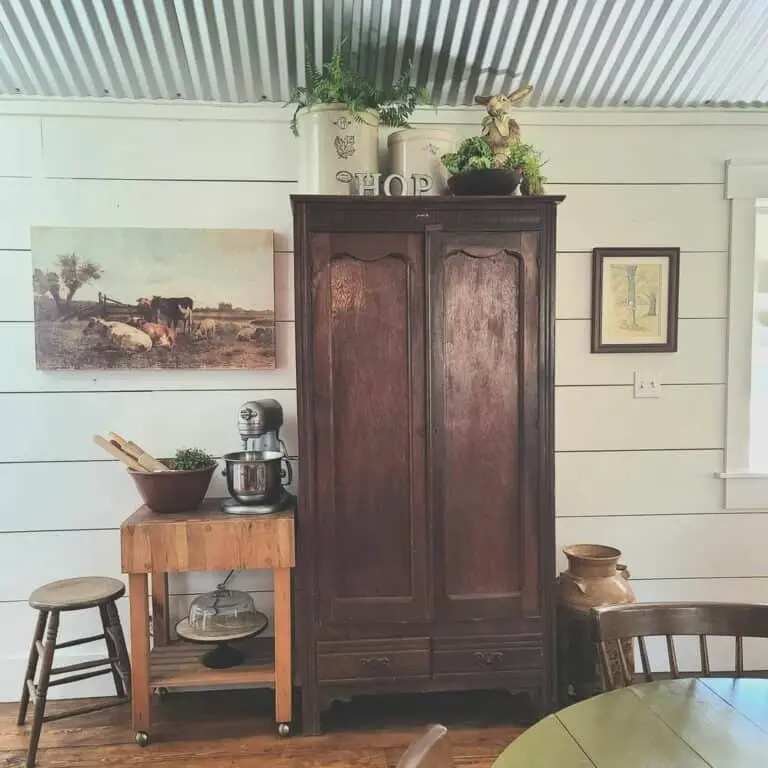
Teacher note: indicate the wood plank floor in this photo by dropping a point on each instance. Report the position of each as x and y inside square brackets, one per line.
[234, 729]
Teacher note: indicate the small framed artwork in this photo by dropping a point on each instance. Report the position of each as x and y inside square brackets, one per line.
[634, 299]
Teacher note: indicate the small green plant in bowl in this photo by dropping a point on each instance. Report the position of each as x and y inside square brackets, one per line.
[180, 488]
[471, 166]
[188, 459]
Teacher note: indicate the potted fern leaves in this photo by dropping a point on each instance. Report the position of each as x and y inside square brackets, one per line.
[337, 117]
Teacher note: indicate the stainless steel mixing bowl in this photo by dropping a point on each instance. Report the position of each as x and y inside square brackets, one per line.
[257, 477]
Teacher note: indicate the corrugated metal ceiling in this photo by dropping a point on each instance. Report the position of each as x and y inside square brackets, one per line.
[586, 53]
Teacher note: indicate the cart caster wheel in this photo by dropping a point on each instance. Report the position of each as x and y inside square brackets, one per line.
[283, 729]
[142, 738]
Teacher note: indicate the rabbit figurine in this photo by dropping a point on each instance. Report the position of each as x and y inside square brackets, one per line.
[500, 130]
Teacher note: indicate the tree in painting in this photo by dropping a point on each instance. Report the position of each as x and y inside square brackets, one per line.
[47, 284]
[636, 288]
[76, 272]
[73, 274]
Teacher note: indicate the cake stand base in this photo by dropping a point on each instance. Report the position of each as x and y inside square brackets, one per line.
[223, 656]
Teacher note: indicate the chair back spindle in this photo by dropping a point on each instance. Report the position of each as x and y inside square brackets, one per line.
[672, 656]
[704, 654]
[644, 659]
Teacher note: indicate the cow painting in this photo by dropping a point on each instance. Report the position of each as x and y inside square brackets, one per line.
[154, 298]
[168, 311]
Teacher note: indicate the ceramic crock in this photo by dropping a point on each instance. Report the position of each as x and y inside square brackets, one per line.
[333, 146]
[418, 150]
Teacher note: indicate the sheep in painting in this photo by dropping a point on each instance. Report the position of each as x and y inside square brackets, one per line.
[249, 333]
[206, 329]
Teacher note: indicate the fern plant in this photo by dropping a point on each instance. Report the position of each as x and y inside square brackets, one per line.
[528, 160]
[335, 83]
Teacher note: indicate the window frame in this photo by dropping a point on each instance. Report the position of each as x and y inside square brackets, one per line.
[746, 182]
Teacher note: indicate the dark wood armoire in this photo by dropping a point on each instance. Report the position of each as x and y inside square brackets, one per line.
[425, 352]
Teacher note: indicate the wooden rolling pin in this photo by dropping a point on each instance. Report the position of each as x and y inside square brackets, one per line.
[119, 454]
[137, 453]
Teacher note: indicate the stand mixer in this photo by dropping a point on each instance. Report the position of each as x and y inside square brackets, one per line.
[256, 475]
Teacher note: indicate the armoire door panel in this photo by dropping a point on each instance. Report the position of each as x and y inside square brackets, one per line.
[368, 313]
[483, 319]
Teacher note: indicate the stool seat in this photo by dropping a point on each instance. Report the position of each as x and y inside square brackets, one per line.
[76, 594]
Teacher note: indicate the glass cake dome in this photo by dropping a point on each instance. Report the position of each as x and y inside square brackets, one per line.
[224, 613]
[219, 618]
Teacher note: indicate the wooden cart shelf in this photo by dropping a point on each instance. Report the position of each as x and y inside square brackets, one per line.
[179, 665]
[205, 540]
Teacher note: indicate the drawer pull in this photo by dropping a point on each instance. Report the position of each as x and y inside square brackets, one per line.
[375, 661]
[488, 658]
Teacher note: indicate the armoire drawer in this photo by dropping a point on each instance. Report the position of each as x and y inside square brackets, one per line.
[372, 659]
[486, 655]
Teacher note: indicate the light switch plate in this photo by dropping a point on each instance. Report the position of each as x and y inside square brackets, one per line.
[647, 384]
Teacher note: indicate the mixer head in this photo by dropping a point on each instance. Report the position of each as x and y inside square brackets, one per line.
[257, 417]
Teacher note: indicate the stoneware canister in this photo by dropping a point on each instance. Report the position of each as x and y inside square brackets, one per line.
[333, 146]
[594, 577]
[418, 150]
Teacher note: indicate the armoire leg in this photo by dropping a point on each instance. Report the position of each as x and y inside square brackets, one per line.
[310, 712]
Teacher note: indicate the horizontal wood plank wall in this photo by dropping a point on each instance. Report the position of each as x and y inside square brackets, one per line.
[638, 474]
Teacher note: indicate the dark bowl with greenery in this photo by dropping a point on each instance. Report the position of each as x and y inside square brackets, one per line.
[182, 487]
[486, 181]
[473, 173]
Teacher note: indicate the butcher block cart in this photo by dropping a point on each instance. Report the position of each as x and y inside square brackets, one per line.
[205, 540]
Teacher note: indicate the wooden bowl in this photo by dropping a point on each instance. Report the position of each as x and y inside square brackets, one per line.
[486, 181]
[174, 490]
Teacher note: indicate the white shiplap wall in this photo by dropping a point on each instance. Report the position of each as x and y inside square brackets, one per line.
[638, 474]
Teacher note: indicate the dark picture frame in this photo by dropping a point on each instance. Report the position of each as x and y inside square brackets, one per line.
[635, 295]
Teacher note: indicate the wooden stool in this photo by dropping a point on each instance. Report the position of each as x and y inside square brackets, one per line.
[50, 600]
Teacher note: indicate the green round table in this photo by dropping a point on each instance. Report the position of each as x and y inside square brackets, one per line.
[691, 723]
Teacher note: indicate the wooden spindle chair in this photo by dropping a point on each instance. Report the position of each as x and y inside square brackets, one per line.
[615, 623]
[432, 750]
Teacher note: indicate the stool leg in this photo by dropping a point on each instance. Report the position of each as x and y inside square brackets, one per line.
[42, 686]
[42, 618]
[116, 648]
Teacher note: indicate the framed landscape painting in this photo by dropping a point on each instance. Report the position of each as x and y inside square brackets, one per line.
[153, 298]
[635, 299]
